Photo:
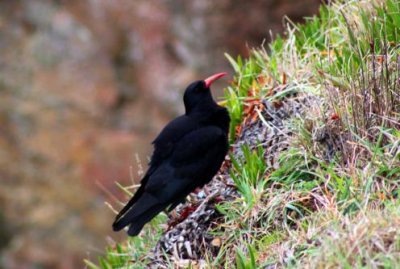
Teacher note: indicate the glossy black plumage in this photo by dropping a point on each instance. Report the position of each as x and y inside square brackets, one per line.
[187, 154]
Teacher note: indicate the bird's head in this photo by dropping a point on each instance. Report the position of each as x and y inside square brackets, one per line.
[198, 95]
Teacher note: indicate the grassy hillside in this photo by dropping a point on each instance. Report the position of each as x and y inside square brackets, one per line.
[315, 154]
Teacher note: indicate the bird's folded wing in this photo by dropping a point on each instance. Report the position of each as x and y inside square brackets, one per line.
[198, 145]
[195, 156]
[194, 160]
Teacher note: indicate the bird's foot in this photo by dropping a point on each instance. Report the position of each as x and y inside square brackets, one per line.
[188, 210]
[184, 214]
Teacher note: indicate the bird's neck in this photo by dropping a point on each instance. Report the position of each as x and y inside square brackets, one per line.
[203, 110]
[213, 115]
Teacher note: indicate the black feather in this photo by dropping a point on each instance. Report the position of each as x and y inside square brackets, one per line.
[187, 154]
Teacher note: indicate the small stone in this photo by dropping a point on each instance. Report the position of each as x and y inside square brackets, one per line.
[189, 249]
[216, 242]
[201, 195]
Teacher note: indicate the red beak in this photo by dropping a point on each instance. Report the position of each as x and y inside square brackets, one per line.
[213, 78]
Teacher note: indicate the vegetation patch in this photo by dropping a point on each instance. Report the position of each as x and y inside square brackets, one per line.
[314, 169]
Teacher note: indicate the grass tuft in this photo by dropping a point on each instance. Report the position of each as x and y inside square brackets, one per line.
[328, 198]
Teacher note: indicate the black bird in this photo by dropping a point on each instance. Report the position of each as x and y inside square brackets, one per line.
[187, 154]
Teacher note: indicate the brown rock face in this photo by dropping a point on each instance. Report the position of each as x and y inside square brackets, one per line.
[86, 85]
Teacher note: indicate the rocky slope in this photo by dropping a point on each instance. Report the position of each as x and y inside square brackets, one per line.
[84, 87]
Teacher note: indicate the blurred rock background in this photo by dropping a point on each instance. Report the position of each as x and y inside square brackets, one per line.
[86, 85]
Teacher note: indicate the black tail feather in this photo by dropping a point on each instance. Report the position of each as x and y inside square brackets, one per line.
[137, 211]
[137, 224]
[133, 200]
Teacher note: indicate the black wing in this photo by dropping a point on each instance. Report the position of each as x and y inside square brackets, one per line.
[165, 142]
[192, 162]
[163, 147]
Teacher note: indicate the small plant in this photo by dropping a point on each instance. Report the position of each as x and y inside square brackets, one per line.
[250, 171]
[133, 254]
[246, 263]
[116, 257]
[236, 94]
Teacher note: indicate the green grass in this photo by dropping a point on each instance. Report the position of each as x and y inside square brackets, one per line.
[133, 253]
[349, 57]
[332, 201]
